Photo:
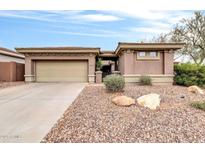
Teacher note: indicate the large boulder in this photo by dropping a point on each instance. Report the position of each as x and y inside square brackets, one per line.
[195, 89]
[123, 101]
[152, 101]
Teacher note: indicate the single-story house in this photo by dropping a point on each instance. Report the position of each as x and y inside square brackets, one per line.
[78, 64]
[11, 65]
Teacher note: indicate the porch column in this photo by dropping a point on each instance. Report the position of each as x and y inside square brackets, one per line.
[91, 69]
[98, 77]
[168, 63]
[29, 76]
[112, 66]
[129, 62]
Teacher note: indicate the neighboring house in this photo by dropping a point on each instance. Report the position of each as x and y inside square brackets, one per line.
[7, 55]
[11, 65]
[77, 64]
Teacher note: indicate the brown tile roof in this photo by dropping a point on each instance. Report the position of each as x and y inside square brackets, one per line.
[11, 53]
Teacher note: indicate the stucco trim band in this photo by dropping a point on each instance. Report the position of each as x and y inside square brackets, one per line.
[29, 78]
[91, 78]
[156, 79]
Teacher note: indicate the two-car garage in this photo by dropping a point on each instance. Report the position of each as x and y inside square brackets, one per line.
[59, 64]
[61, 71]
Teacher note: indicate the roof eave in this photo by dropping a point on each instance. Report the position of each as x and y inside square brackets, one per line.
[58, 50]
[154, 46]
[113, 55]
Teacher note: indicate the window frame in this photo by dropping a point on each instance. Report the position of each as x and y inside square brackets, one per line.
[142, 52]
[147, 55]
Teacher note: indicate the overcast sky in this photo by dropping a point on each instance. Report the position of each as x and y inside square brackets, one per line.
[83, 28]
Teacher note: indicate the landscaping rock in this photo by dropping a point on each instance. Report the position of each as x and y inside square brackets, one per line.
[92, 118]
[123, 101]
[152, 101]
[195, 89]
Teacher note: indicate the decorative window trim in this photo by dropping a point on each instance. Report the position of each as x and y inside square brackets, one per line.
[147, 55]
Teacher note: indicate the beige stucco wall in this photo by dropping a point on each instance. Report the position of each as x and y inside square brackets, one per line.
[161, 70]
[129, 64]
[149, 66]
[31, 58]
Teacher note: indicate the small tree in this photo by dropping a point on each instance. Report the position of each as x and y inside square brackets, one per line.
[192, 32]
[99, 64]
[162, 38]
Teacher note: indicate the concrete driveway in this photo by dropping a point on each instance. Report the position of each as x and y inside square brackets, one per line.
[28, 112]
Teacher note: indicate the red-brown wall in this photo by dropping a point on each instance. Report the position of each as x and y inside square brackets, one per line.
[20, 71]
[11, 71]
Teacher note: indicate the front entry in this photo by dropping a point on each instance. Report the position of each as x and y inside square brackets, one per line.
[106, 70]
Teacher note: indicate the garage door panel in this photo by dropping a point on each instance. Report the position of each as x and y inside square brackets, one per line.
[56, 71]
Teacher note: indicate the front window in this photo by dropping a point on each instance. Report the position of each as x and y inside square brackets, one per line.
[153, 54]
[148, 55]
[142, 54]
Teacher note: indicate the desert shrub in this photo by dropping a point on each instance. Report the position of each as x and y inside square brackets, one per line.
[189, 74]
[145, 80]
[199, 105]
[114, 83]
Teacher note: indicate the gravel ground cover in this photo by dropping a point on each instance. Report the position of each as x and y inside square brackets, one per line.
[10, 84]
[93, 118]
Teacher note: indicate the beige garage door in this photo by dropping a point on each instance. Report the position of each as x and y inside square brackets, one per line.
[59, 71]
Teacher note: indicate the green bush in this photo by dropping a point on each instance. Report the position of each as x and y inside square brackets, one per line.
[114, 83]
[145, 80]
[189, 74]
